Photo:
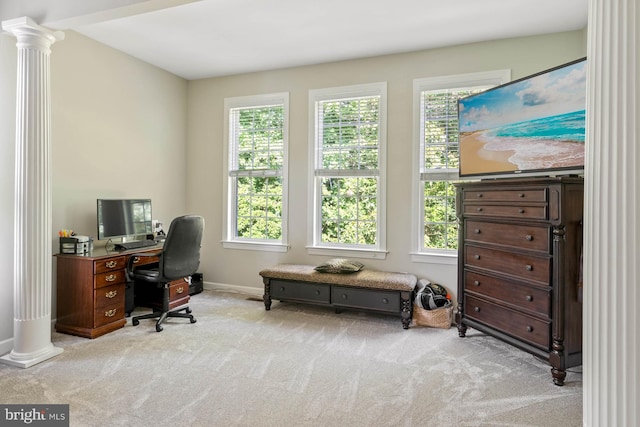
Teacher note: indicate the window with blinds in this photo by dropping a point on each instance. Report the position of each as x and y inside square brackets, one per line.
[438, 167]
[257, 151]
[349, 149]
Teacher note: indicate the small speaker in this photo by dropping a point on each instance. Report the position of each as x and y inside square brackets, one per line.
[197, 283]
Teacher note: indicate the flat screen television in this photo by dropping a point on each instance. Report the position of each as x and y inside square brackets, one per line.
[531, 126]
[124, 218]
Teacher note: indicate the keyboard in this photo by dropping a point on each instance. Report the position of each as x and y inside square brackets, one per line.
[135, 245]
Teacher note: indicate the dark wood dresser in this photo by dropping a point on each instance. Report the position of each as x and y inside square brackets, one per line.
[519, 265]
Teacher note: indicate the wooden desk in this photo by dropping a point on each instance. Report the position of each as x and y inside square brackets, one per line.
[91, 291]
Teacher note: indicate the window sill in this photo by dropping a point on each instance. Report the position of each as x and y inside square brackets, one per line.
[347, 252]
[255, 246]
[441, 258]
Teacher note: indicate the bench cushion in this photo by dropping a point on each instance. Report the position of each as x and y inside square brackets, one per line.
[363, 279]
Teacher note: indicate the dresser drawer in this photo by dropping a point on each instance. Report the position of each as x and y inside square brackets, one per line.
[109, 264]
[108, 314]
[365, 298]
[109, 278]
[523, 266]
[109, 295]
[313, 292]
[506, 195]
[522, 326]
[535, 238]
[507, 211]
[523, 296]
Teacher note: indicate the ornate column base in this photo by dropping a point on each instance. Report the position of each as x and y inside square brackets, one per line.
[35, 331]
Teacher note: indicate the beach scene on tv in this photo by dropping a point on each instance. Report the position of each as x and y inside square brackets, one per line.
[534, 124]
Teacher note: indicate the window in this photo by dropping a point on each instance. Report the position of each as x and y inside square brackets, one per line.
[436, 157]
[348, 141]
[256, 131]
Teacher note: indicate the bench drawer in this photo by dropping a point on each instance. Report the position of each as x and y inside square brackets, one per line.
[365, 298]
[286, 290]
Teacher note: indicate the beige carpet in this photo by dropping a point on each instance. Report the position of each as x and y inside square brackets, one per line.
[296, 365]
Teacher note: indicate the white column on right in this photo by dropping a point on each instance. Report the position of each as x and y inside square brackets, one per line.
[611, 345]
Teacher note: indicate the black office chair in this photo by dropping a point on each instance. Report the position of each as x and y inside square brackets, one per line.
[179, 258]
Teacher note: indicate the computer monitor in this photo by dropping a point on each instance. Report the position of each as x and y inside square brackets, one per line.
[123, 217]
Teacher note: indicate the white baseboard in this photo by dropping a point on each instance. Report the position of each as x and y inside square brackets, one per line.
[6, 346]
[247, 290]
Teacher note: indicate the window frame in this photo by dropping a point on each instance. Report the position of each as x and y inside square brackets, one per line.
[458, 81]
[315, 246]
[230, 239]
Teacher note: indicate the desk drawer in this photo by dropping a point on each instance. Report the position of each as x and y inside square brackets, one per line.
[534, 238]
[522, 326]
[523, 266]
[178, 293]
[143, 260]
[109, 278]
[109, 295]
[108, 314]
[109, 264]
[365, 298]
[523, 296]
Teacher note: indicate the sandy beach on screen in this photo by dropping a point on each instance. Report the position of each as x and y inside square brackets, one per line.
[477, 160]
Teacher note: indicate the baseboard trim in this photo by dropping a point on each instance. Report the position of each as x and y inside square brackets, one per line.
[247, 290]
[6, 346]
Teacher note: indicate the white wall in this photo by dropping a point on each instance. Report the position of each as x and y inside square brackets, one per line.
[8, 72]
[118, 130]
[523, 56]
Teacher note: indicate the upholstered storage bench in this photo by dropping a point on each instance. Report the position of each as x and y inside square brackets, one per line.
[365, 290]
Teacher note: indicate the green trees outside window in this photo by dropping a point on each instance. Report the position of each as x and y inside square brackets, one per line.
[257, 135]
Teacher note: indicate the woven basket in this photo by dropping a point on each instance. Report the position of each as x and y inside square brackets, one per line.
[438, 318]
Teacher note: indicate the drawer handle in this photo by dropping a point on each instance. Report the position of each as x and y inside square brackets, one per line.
[479, 209]
[111, 264]
[521, 210]
[136, 259]
[111, 278]
[110, 313]
[528, 237]
[479, 195]
[521, 195]
[384, 300]
[529, 267]
[344, 296]
[477, 257]
[477, 309]
[529, 298]
[281, 288]
[317, 292]
[529, 328]
[476, 282]
[180, 290]
[111, 294]
[477, 231]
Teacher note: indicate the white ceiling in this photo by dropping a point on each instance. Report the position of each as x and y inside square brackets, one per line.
[207, 38]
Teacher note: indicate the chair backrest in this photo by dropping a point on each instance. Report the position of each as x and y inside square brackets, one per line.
[181, 252]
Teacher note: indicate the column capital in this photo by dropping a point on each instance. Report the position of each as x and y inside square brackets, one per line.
[30, 34]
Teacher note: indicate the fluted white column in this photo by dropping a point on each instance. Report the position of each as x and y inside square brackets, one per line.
[611, 345]
[32, 211]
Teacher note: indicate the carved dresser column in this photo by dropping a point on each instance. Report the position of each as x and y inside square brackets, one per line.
[32, 210]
